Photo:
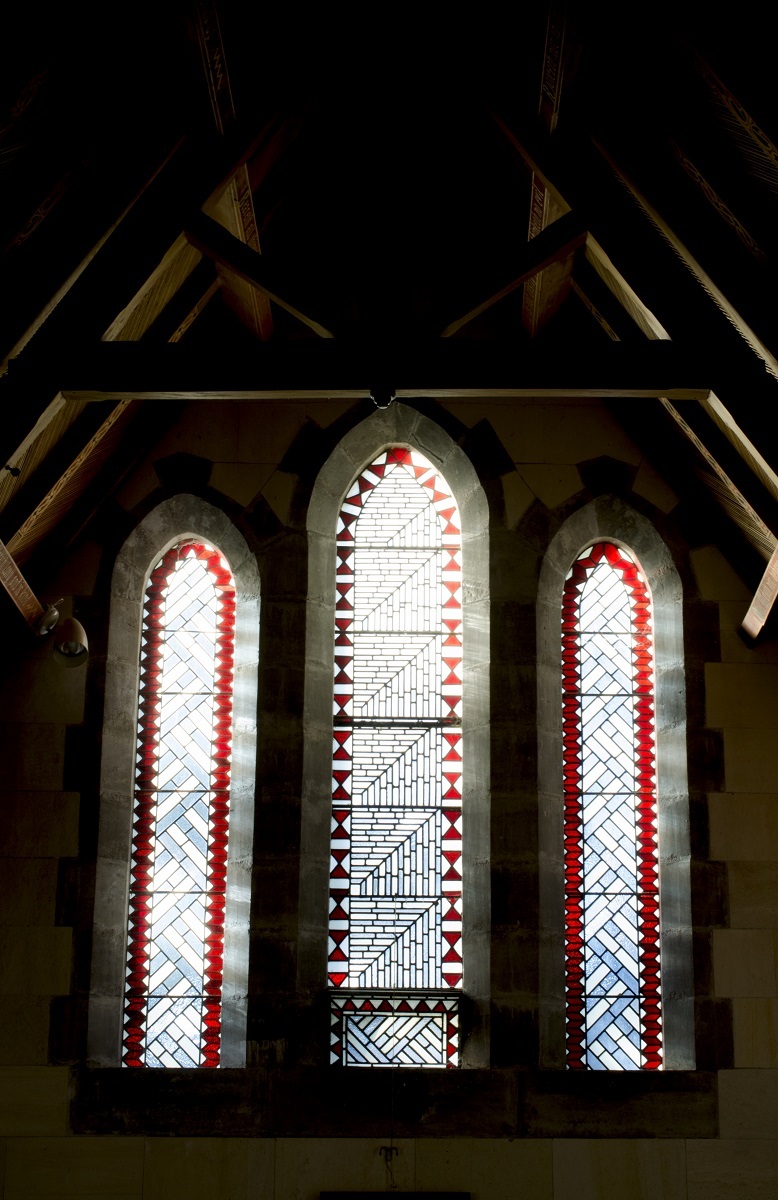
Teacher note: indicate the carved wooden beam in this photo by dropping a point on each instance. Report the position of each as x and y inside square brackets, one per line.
[235, 208]
[545, 292]
[68, 485]
[764, 598]
[750, 455]
[121, 262]
[553, 245]
[20, 591]
[735, 318]
[225, 250]
[733, 501]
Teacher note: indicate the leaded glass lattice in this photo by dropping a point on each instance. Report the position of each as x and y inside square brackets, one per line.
[179, 849]
[396, 844]
[612, 940]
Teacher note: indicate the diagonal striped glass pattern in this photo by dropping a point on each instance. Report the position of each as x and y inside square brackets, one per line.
[395, 1030]
[179, 849]
[612, 950]
[395, 948]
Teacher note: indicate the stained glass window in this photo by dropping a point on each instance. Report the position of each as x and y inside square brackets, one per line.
[395, 947]
[612, 920]
[178, 869]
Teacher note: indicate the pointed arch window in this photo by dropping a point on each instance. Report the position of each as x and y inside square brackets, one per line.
[611, 866]
[395, 925]
[178, 869]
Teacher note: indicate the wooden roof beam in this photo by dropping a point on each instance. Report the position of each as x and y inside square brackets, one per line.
[436, 367]
[735, 318]
[227, 251]
[764, 598]
[554, 244]
[121, 262]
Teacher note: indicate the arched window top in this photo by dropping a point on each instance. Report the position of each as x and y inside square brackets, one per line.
[396, 869]
[612, 927]
[397, 556]
[612, 723]
[609, 592]
[178, 870]
[182, 577]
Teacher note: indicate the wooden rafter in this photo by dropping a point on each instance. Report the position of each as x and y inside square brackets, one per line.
[123, 259]
[764, 598]
[69, 485]
[544, 293]
[761, 537]
[553, 245]
[738, 322]
[19, 590]
[235, 208]
[225, 250]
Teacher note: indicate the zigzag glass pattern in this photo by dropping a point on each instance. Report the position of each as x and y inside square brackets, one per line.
[612, 940]
[396, 844]
[179, 850]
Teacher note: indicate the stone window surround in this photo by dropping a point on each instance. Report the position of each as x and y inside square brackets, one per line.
[608, 518]
[402, 426]
[176, 518]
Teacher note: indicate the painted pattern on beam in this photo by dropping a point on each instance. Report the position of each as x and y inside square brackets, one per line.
[612, 926]
[395, 949]
[182, 792]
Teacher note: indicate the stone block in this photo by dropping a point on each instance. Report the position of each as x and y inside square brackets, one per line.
[262, 440]
[610, 1169]
[716, 579]
[209, 429]
[654, 488]
[32, 755]
[744, 962]
[748, 1104]
[78, 1167]
[24, 1030]
[750, 760]
[551, 485]
[33, 1101]
[488, 1169]
[737, 646]
[753, 895]
[743, 826]
[203, 1168]
[740, 695]
[554, 431]
[278, 492]
[35, 960]
[138, 485]
[37, 691]
[755, 1031]
[307, 1166]
[731, 1169]
[28, 891]
[517, 498]
[240, 481]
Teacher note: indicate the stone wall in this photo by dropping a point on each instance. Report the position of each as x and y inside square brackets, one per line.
[285, 1126]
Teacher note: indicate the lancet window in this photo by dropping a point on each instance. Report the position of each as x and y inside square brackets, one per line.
[612, 917]
[395, 924]
[174, 974]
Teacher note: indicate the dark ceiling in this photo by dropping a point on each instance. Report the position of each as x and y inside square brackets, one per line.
[392, 161]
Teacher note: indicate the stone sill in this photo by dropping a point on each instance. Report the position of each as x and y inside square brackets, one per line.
[365, 1102]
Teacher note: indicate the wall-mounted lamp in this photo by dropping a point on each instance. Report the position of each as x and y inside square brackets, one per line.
[71, 646]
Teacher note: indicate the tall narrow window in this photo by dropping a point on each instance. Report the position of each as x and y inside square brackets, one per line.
[395, 952]
[173, 999]
[612, 919]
